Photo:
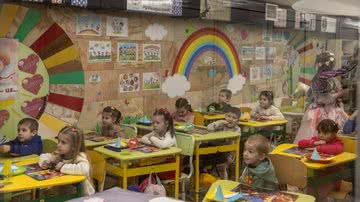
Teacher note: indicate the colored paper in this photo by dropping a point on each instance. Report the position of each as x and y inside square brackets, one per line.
[315, 155]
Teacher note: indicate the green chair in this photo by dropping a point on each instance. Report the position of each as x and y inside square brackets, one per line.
[49, 145]
[186, 143]
[130, 130]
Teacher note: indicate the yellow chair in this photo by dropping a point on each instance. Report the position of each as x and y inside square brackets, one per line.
[98, 171]
[289, 171]
[49, 145]
[350, 145]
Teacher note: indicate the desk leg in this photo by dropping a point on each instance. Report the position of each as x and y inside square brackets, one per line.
[237, 161]
[125, 175]
[197, 171]
[177, 173]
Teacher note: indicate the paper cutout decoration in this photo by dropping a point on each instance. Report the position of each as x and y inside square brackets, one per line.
[79, 3]
[189, 29]
[33, 84]
[212, 73]
[156, 32]
[244, 34]
[203, 40]
[29, 64]
[315, 155]
[219, 196]
[4, 116]
[34, 108]
[116, 26]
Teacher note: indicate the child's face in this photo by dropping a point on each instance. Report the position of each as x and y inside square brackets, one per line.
[264, 102]
[182, 111]
[64, 144]
[231, 119]
[24, 133]
[327, 137]
[107, 119]
[223, 98]
[251, 155]
[159, 124]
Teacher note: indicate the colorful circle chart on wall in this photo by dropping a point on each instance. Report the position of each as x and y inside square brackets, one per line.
[41, 75]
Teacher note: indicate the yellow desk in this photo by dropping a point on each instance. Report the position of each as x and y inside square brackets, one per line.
[124, 171]
[339, 159]
[255, 125]
[228, 185]
[204, 119]
[24, 182]
[215, 149]
[20, 159]
[91, 144]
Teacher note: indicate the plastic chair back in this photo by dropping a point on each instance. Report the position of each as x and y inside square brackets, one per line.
[130, 130]
[350, 144]
[98, 165]
[186, 143]
[49, 145]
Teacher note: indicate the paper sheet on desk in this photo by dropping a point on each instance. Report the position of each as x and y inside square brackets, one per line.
[163, 199]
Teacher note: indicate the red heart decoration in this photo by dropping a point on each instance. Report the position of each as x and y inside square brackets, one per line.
[29, 64]
[34, 108]
[4, 116]
[244, 34]
[33, 84]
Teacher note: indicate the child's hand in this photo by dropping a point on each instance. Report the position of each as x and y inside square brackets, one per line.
[45, 165]
[4, 149]
[319, 142]
[264, 118]
[59, 166]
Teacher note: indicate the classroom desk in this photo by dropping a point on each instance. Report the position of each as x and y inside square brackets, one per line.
[124, 171]
[202, 119]
[254, 126]
[24, 182]
[213, 136]
[19, 159]
[91, 144]
[316, 179]
[228, 185]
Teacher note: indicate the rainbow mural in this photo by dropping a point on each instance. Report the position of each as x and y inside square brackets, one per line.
[206, 39]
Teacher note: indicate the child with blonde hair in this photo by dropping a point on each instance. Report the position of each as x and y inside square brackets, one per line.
[70, 157]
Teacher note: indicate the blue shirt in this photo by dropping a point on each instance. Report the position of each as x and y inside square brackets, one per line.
[33, 146]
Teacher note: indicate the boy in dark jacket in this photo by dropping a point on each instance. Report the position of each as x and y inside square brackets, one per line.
[259, 172]
[27, 142]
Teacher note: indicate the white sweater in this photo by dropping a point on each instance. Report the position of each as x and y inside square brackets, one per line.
[272, 112]
[80, 166]
[160, 142]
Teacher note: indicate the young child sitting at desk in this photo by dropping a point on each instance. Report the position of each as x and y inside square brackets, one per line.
[163, 134]
[232, 116]
[110, 122]
[326, 142]
[266, 109]
[70, 157]
[184, 112]
[259, 171]
[27, 142]
[223, 103]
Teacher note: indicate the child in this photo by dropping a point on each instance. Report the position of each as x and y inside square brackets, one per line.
[326, 141]
[224, 100]
[110, 122]
[27, 142]
[232, 116]
[184, 112]
[163, 134]
[70, 157]
[266, 109]
[259, 172]
[350, 124]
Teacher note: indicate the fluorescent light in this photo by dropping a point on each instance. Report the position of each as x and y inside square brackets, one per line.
[329, 7]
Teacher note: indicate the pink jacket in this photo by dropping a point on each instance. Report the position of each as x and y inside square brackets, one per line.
[188, 118]
[335, 146]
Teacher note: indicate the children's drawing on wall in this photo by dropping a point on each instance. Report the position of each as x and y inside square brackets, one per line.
[152, 52]
[8, 70]
[281, 17]
[254, 73]
[116, 26]
[267, 73]
[270, 12]
[151, 81]
[247, 53]
[270, 53]
[156, 32]
[99, 51]
[129, 82]
[88, 25]
[127, 52]
[94, 79]
[260, 53]
[267, 35]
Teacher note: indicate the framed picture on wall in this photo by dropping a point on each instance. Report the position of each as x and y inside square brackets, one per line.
[116, 26]
[127, 52]
[151, 81]
[89, 25]
[99, 51]
[152, 52]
